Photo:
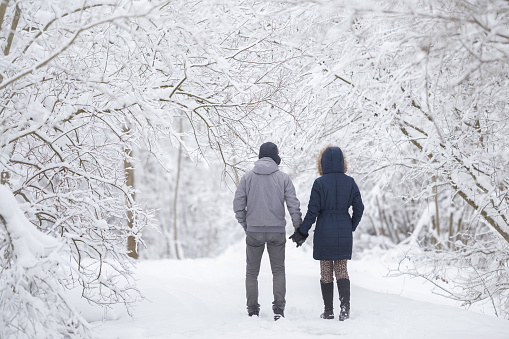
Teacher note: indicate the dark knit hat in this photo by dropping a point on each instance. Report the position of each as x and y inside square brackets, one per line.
[270, 150]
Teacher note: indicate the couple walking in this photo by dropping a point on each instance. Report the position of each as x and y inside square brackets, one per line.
[259, 208]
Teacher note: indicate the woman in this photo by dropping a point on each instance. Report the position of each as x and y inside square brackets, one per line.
[331, 197]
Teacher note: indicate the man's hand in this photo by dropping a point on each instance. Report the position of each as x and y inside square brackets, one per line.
[298, 237]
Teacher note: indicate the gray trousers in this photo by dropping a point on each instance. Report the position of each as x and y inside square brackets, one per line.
[255, 245]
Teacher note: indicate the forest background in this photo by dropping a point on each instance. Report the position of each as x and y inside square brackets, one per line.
[125, 126]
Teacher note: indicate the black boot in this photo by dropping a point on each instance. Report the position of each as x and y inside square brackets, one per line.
[278, 313]
[254, 311]
[344, 297]
[328, 300]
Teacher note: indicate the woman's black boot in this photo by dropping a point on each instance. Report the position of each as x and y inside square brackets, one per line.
[328, 300]
[344, 297]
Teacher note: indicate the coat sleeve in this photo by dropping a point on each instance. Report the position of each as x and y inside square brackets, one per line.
[357, 206]
[292, 203]
[240, 203]
[313, 209]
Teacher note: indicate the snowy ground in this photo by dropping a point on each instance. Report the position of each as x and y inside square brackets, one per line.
[205, 299]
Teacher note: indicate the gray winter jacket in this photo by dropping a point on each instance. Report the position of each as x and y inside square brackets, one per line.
[260, 197]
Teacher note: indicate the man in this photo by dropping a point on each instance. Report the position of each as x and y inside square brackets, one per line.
[259, 208]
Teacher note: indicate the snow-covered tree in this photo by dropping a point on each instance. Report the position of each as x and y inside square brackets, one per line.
[34, 274]
[417, 91]
[414, 91]
[83, 84]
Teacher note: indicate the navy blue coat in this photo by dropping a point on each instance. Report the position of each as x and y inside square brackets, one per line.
[331, 197]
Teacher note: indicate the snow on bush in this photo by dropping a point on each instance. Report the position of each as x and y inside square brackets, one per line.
[35, 269]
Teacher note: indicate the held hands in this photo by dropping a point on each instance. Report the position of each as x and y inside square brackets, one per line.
[298, 237]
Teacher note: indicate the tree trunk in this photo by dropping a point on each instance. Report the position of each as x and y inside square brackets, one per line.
[437, 214]
[3, 8]
[175, 199]
[129, 178]
[14, 26]
[451, 237]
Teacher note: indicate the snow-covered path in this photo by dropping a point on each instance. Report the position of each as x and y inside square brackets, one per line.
[205, 299]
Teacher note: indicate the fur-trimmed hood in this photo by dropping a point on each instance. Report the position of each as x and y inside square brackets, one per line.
[331, 160]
